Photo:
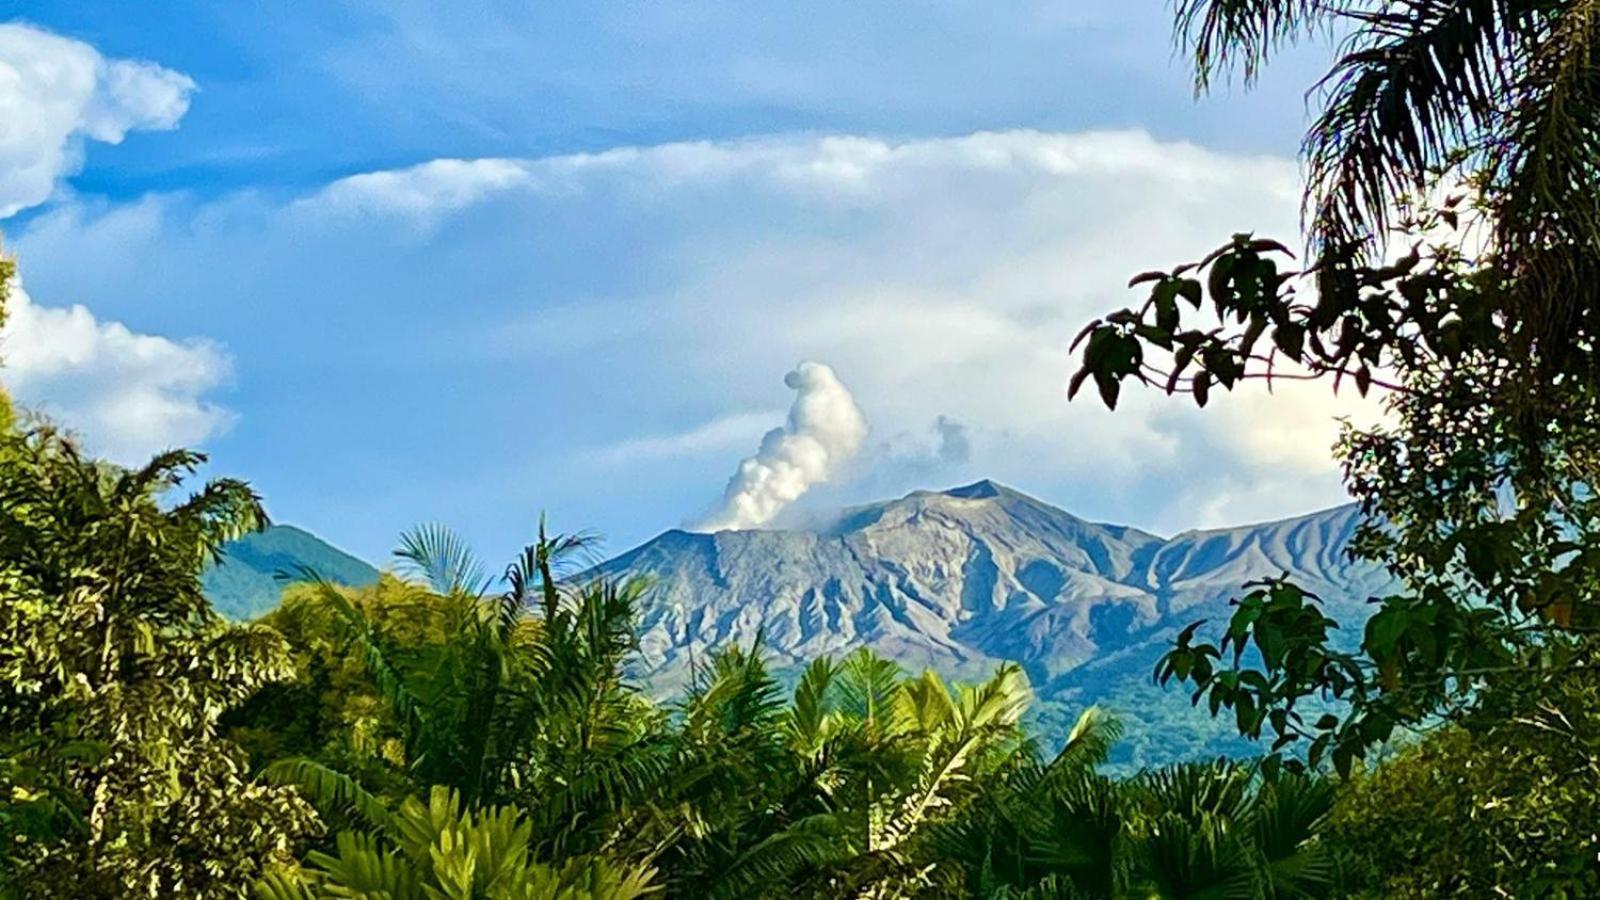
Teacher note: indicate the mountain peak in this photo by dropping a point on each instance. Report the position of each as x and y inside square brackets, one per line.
[979, 490]
[983, 504]
[248, 579]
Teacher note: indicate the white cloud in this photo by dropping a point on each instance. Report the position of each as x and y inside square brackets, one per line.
[431, 189]
[56, 92]
[722, 433]
[1294, 427]
[129, 395]
[1275, 450]
[849, 165]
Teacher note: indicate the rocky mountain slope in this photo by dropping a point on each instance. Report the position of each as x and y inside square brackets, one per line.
[961, 580]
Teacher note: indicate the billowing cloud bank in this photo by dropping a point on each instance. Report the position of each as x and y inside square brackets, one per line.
[128, 395]
[824, 430]
[56, 93]
[638, 298]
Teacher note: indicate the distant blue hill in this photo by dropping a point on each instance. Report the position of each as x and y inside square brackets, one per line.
[251, 575]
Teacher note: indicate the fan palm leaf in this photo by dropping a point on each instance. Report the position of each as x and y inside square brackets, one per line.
[1196, 859]
[1292, 811]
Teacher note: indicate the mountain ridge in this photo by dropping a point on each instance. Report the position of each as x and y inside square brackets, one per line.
[964, 579]
[958, 581]
[972, 575]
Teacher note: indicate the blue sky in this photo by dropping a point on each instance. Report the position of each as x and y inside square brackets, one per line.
[408, 261]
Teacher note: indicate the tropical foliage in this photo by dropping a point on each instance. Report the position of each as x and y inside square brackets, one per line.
[1518, 790]
[459, 742]
[859, 782]
[115, 672]
[447, 734]
[442, 849]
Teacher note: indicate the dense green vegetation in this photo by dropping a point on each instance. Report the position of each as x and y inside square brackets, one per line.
[115, 672]
[429, 737]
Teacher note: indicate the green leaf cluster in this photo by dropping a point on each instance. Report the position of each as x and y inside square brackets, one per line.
[114, 673]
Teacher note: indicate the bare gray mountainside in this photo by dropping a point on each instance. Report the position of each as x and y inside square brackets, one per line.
[961, 580]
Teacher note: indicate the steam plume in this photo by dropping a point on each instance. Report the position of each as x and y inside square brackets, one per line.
[825, 428]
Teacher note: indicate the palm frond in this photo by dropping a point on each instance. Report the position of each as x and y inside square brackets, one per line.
[998, 702]
[594, 786]
[1197, 791]
[1420, 82]
[598, 878]
[1086, 828]
[1291, 812]
[164, 470]
[1544, 170]
[925, 703]
[283, 884]
[811, 710]
[550, 560]
[329, 790]
[363, 867]
[1089, 742]
[223, 510]
[814, 841]
[442, 559]
[867, 686]
[738, 696]
[1183, 858]
[1221, 33]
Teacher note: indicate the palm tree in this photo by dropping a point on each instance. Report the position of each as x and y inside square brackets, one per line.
[113, 673]
[735, 786]
[517, 697]
[1225, 826]
[858, 765]
[444, 848]
[519, 727]
[1504, 93]
[1041, 828]
[1210, 829]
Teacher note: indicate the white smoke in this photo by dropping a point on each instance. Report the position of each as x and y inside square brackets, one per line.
[825, 429]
